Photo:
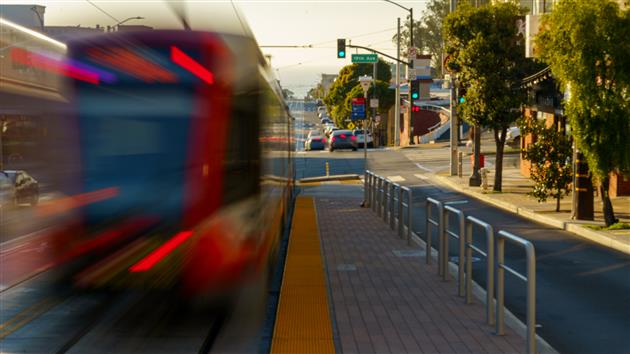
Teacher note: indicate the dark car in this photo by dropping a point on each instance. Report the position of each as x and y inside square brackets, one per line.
[342, 139]
[315, 142]
[26, 187]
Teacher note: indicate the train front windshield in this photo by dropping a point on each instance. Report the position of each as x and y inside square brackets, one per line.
[137, 107]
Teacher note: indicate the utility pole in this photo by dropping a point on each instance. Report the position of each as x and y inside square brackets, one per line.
[373, 109]
[397, 100]
[453, 122]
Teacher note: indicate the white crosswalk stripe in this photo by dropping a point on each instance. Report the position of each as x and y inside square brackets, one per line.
[395, 178]
[422, 177]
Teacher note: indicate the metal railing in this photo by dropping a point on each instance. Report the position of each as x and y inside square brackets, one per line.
[394, 197]
[385, 194]
[470, 222]
[439, 224]
[387, 199]
[529, 278]
[461, 237]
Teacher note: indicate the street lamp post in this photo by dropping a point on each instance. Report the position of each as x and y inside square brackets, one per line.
[410, 65]
[128, 19]
[410, 10]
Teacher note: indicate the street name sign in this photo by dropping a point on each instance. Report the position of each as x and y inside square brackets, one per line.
[364, 58]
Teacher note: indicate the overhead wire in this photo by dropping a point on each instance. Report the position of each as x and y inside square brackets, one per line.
[103, 11]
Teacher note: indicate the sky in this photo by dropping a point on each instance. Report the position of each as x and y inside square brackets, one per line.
[370, 23]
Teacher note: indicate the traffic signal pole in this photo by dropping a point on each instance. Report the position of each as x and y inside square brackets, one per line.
[453, 122]
[397, 100]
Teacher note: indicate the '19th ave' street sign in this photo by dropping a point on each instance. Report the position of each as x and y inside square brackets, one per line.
[364, 58]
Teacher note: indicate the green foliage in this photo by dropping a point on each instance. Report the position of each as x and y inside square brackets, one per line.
[587, 45]
[488, 56]
[615, 226]
[346, 86]
[427, 32]
[316, 92]
[550, 156]
[288, 94]
[487, 53]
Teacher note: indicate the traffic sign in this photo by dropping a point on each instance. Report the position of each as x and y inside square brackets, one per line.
[351, 125]
[374, 103]
[358, 108]
[364, 58]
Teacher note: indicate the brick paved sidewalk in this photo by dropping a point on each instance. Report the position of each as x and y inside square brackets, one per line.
[388, 303]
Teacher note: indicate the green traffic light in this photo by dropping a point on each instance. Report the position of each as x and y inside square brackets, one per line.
[462, 99]
[342, 54]
[414, 95]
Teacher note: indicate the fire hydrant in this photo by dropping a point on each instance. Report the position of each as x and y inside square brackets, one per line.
[484, 178]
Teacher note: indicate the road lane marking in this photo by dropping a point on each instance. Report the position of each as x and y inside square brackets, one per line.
[423, 177]
[27, 315]
[423, 168]
[395, 178]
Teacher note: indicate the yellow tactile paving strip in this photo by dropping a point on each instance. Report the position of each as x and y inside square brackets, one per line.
[303, 323]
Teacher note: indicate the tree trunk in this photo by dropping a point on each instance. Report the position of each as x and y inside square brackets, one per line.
[609, 213]
[499, 139]
[558, 201]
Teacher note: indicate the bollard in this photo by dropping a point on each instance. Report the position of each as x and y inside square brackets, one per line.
[327, 169]
[460, 164]
[484, 178]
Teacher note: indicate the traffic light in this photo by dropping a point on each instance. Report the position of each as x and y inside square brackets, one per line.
[461, 93]
[341, 48]
[415, 89]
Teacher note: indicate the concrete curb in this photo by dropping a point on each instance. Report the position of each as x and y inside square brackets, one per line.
[329, 178]
[591, 235]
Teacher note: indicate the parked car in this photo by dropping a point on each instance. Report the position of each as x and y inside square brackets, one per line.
[342, 139]
[26, 187]
[7, 191]
[330, 129]
[315, 142]
[513, 136]
[360, 137]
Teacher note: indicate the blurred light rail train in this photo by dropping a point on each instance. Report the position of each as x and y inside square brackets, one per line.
[177, 160]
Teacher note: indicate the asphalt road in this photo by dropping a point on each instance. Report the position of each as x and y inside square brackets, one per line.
[583, 289]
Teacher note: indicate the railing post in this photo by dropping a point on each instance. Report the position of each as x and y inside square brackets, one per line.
[439, 225]
[441, 267]
[373, 194]
[400, 213]
[427, 229]
[383, 213]
[530, 278]
[500, 286]
[461, 238]
[379, 186]
[470, 222]
[366, 190]
[392, 206]
[409, 214]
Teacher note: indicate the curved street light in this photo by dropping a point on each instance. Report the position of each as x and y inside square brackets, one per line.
[128, 19]
[410, 21]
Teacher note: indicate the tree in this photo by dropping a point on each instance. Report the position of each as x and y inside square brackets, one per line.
[427, 34]
[316, 92]
[488, 56]
[586, 44]
[550, 156]
[347, 81]
[288, 93]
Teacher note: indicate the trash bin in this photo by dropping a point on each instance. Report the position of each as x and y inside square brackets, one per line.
[481, 160]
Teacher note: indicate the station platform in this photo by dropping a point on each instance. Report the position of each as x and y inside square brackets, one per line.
[351, 285]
